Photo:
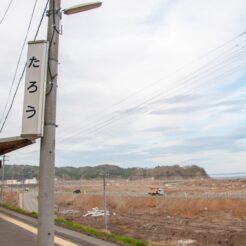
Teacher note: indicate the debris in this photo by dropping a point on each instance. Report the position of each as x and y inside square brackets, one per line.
[95, 212]
[186, 242]
[69, 211]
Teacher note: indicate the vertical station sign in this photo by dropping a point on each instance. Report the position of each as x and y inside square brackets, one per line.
[35, 89]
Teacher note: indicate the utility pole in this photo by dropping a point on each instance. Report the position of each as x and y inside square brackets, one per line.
[105, 202]
[23, 188]
[2, 184]
[46, 226]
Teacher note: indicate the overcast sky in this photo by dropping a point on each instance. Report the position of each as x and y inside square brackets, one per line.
[141, 83]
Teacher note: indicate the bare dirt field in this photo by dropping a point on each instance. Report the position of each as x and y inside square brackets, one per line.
[11, 197]
[192, 212]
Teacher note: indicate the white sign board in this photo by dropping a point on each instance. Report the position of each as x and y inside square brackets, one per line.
[35, 89]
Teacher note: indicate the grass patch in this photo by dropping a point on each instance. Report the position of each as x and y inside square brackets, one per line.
[19, 210]
[122, 240]
[119, 239]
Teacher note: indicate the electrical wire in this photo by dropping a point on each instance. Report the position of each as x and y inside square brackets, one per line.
[224, 75]
[188, 78]
[23, 71]
[177, 70]
[41, 20]
[6, 11]
[3, 120]
[182, 87]
[12, 102]
[94, 129]
[130, 111]
[113, 121]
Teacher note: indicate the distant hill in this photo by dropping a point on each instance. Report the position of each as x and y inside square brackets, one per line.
[161, 172]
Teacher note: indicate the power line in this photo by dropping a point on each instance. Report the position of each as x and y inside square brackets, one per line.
[199, 74]
[41, 20]
[226, 74]
[115, 120]
[6, 11]
[3, 120]
[181, 68]
[23, 71]
[12, 102]
[231, 71]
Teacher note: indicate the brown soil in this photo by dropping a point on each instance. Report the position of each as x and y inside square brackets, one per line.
[167, 220]
[11, 197]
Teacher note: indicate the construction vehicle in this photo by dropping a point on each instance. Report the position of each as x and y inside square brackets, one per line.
[156, 191]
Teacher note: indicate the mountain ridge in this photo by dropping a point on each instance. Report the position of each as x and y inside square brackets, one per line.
[91, 172]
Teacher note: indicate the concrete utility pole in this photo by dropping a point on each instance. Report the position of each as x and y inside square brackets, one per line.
[47, 152]
[46, 226]
[23, 189]
[105, 202]
[3, 164]
[2, 184]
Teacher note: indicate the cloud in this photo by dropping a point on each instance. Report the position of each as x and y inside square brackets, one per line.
[234, 104]
[192, 145]
[122, 154]
[127, 91]
[168, 130]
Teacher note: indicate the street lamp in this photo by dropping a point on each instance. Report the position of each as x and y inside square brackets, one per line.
[47, 150]
[82, 7]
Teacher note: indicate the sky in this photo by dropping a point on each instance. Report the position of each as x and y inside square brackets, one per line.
[160, 82]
